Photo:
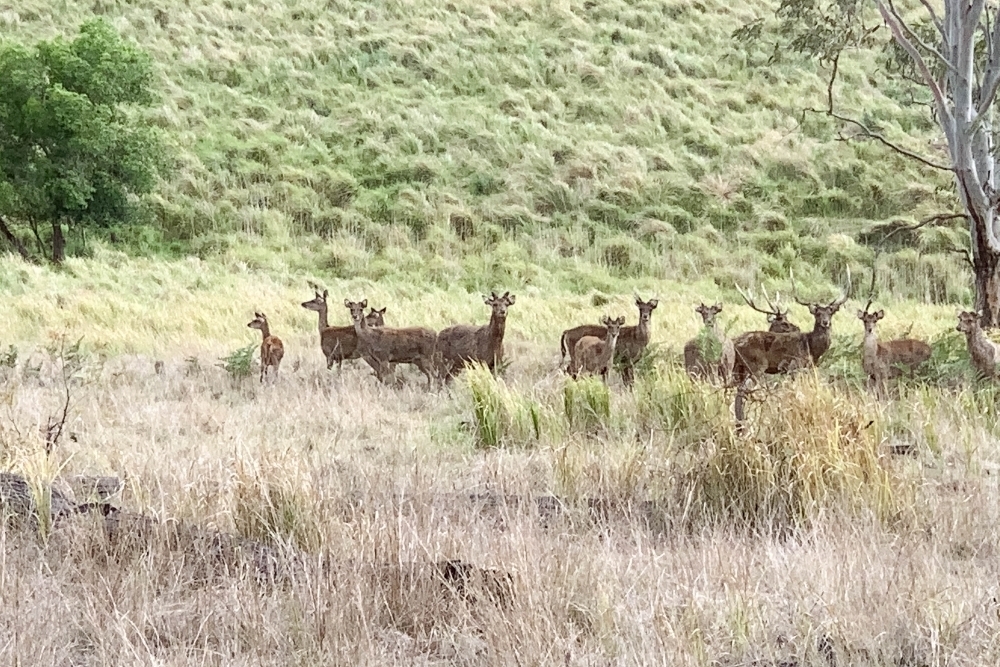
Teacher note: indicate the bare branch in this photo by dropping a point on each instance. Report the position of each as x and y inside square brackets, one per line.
[897, 33]
[867, 131]
[926, 222]
[13, 240]
[934, 17]
[914, 37]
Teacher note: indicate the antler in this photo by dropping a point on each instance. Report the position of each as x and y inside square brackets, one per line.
[750, 302]
[871, 289]
[776, 305]
[840, 302]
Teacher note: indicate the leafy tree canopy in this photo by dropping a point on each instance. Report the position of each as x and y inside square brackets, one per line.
[72, 150]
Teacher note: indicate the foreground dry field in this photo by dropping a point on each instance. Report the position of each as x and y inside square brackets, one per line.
[642, 531]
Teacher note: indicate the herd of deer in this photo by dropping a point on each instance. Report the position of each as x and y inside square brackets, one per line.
[784, 347]
[593, 349]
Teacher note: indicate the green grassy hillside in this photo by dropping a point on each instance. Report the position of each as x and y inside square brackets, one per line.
[402, 138]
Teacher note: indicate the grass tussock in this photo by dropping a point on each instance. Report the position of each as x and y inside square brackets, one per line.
[811, 452]
[587, 404]
[502, 417]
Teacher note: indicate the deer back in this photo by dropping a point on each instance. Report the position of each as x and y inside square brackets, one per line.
[906, 351]
[339, 342]
[588, 354]
[398, 345]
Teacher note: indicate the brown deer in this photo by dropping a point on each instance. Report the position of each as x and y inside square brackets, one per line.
[881, 360]
[464, 343]
[593, 355]
[776, 317]
[632, 340]
[760, 352]
[985, 353]
[339, 343]
[695, 361]
[271, 349]
[382, 346]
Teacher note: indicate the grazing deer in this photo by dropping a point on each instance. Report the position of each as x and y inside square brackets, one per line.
[760, 352]
[465, 343]
[695, 361]
[382, 346]
[593, 355]
[632, 340]
[776, 317]
[339, 343]
[271, 349]
[985, 353]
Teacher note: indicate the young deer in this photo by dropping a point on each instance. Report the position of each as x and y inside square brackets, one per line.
[881, 360]
[760, 352]
[632, 340]
[464, 343]
[695, 361]
[985, 353]
[339, 343]
[271, 349]
[381, 346]
[592, 354]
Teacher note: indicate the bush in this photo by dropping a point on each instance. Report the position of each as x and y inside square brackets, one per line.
[587, 403]
[239, 363]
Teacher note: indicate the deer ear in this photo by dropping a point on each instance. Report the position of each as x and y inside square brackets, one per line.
[347, 303]
[653, 302]
[381, 311]
[364, 304]
[861, 314]
[880, 314]
[510, 299]
[325, 292]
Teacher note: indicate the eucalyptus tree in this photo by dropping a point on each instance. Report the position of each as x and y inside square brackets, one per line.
[947, 52]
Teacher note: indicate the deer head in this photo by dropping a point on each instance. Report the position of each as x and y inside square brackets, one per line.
[646, 309]
[357, 309]
[376, 318]
[708, 313]
[259, 321]
[968, 321]
[823, 314]
[776, 317]
[499, 304]
[870, 319]
[317, 303]
[614, 326]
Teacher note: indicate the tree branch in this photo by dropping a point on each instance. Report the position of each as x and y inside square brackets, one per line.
[926, 222]
[991, 77]
[934, 17]
[897, 33]
[6, 232]
[867, 131]
[913, 36]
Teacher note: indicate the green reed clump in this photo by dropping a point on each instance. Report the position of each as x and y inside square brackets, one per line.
[501, 416]
[689, 411]
[587, 404]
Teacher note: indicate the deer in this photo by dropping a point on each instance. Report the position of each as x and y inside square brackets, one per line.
[381, 346]
[592, 355]
[632, 340]
[881, 360]
[271, 348]
[760, 352]
[465, 343]
[776, 317]
[339, 343]
[985, 353]
[695, 361]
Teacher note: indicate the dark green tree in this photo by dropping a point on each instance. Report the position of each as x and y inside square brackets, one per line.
[73, 150]
[946, 56]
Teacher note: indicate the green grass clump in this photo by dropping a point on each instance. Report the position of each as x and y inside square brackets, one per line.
[587, 404]
[501, 416]
[687, 411]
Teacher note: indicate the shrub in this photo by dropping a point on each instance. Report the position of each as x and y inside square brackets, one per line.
[501, 416]
[239, 363]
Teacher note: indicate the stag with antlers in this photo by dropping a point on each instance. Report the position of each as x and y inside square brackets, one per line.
[760, 352]
[777, 317]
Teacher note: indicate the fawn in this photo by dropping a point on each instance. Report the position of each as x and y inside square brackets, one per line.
[271, 349]
[592, 354]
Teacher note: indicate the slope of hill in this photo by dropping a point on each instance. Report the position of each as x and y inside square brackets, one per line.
[400, 138]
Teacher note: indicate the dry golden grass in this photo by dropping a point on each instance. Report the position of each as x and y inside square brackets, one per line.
[622, 533]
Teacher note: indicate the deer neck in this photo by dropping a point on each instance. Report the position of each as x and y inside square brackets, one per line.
[265, 330]
[498, 325]
[323, 322]
[610, 342]
[642, 331]
[870, 351]
[978, 342]
[818, 340]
